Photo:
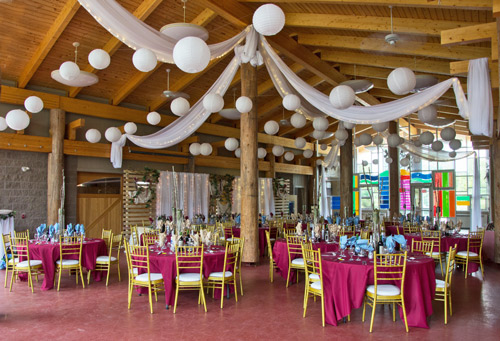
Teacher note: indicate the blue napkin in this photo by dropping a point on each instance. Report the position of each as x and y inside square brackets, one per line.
[428, 219]
[69, 229]
[389, 243]
[352, 240]
[338, 220]
[82, 229]
[361, 242]
[56, 226]
[401, 219]
[51, 231]
[263, 219]
[238, 219]
[41, 229]
[77, 229]
[366, 247]
[356, 220]
[330, 220]
[343, 242]
[400, 240]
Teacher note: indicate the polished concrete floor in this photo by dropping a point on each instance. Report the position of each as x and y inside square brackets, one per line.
[266, 311]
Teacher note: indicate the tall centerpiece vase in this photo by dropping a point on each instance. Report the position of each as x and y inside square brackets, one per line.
[376, 226]
[179, 220]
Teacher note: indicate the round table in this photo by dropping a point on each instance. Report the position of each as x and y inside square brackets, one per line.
[262, 237]
[345, 284]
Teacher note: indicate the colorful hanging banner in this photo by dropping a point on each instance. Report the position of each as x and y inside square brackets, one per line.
[384, 190]
[405, 191]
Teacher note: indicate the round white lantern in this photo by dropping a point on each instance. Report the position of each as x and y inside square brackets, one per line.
[417, 159]
[375, 162]
[341, 134]
[334, 142]
[291, 102]
[112, 134]
[405, 162]
[33, 104]
[244, 104]
[427, 114]
[69, 71]
[357, 141]
[318, 135]
[237, 153]
[320, 123]
[144, 60]
[426, 138]
[417, 143]
[380, 127]
[437, 146]
[195, 148]
[388, 160]
[278, 151]
[455, 144]
[289, 156]
[298, 120]
[365, 139]
[378, 140]
[401, 81]
[153, 118]
[271, 127]
[323, 146]
[268, 20]
[300, 142]
[179, 106]
[319, 162]
[364, 163]
[17, 119]
[308, 153]
[349, 125]
[261, 153]
[231, 144]
[452, 154]
[448, 134]
[213, 103]
[342, 97]
[206, 149]
[3, 124]
[191, 54]
[93, 135]
[99, 59]
[393, 140]
[130, 128]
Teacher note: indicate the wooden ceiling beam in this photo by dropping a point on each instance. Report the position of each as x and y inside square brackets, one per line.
[468, 34]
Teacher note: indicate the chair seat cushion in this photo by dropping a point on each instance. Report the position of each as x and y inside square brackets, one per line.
[153, 277]
[272, 239]
[220, 274]
[105, 259]
[13, 260]
[464, 254]
[67, 262]
[314, 277]
[135, 271]
[31, 263]
[298, 261]
[384, 290]
[189, 277]
[441, 284]
[316, 285]
[433, 254]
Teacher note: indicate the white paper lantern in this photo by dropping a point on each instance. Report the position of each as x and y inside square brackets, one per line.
[271, 127]
[448, 134]
[291, 102]
[417, 143]
[261, 153]
[179, 106]
[426, 137]
[213, 103]
[320, 123]
[144, 60]
[349, 125]
[69, 71]
[237, 153]
[17, 119]
[130, 128]
[417, 159]
[364, 163]
[437, 146]
[455, 144]
[206, 149]
[323, 146]
[112, 134]
[99, 59]
[427, 114]
[231, 144]
[452, 154]
[298, 120]
[33, 104]
[405, 162]
[375, 162]
[342, 97]
[318, 135]
[191, 54]
[378, 140]
[319, 162]
[289, 156]
[3, 124]
[393, 140]
[380, 127]
[278, 151]
[365, 139]
[341, 134]
[357, 141]
[308, 153]
[195, 148]
[401, 81]
[268, 20]
[244, 104]
[401, 140]
[300, 142]
[334, 142]
[153, 118]
[388, 160]
[93, 135]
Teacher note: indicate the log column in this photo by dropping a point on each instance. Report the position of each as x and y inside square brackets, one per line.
[249, 167]
[346, 173]
[393, 175]
[55, 165]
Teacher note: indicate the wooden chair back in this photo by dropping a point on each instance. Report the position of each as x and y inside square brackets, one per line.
[422, 246]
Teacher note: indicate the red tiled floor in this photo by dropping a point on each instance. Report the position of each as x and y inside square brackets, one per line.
[266, 311]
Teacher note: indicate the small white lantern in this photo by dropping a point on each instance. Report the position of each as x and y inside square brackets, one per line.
[291, 102]
[452, 154]
[33, 104]
[17, 119]
[357, 141]
[144, 60]
[213, 102]
[289, 156]
[448, 134]
[153, 118]
[237, 153]
[308, 153]
[268, 20]
[393, 140]
[99, 59]
[206, 149]
[378, 140]
[298, 120]
[455, 144]
[380, 127]
[323, 146]
[3, 124]
[93, 135]
[130, 128]
[320, 123]
[341, 134]
[401, 81]
[191, 54]
[427, 114]
[426, 137]
[364, 163]
[388, 160]
[349, 125]
[300, 142]
[278, 151]
[112, 134]
[318, 135]
[405, 162]
[417, 143]
[342, 97]
[179, 106]
[365, 139]
[69, 71]
[231, 144]
[437, 146]
[195, 148]
[244, 104]
[261, 153]
[417, 159]
[271, 127]
[375, 162]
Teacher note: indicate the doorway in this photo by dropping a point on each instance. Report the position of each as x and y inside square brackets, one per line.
[422, 199]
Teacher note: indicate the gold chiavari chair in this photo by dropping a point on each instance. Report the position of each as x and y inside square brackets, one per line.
[132, 272]
[295, 260]
[314, 277]
[149, 238]
[273, 234]
[106, 235]
[237, 272]
[415, 229]
[387, 268]
[422, 246]
[19, 247]
[436, 253]
[443, 288]
[290, 232]
[272, 264]
[219, 280]
[10, 263]
[70, 248]
[365, 234]
[228, 232]
[474, 251]
[103, 263]
[135, 235]
[190, 259]
[22, 234]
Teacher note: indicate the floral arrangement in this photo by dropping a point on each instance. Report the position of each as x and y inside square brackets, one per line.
[152, 176]
[221, 188]
[280, 187]
[8, 215]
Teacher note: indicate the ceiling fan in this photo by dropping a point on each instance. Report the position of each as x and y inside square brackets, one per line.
[173, 94]
[392, 38]
[284, 122]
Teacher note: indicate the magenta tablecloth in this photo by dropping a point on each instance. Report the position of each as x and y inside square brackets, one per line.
[262, 238]
[392, 230]
[49, 254]
[345, 283]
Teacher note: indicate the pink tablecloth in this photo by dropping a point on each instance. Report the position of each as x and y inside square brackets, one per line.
[392, 230]
[262, 237]
[345, 284]
[49, 254]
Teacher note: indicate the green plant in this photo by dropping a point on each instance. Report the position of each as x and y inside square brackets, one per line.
[8, 215]
[151, 176]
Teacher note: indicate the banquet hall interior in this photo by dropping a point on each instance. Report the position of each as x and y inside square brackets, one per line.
[243, 169]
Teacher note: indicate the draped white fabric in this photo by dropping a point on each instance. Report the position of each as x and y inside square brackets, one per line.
[480, 98]
[324, 209]
[266, 196]
[193, 191]
[136, 34]
[475, 214]
[331, 157]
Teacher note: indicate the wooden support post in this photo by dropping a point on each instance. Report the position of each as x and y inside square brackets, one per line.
[249, 167]
[393, 175]
[74, 125]
[346, 173]
[55, 165]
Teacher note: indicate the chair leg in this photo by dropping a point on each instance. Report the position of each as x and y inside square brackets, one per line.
[107, 275]
[481, 263]
[59, 281]
[30, 282]
[306, 300]
[441, 264]
[119, 275]
[7, 274]
[222, 296]
[288, 277]
[394, 312]
[364, 309]
[235, 290]
[88, 276]
[373, 314]
[130, 288]
[241, 284]
[81, 277]
[323, 309]
[449, 298]
[12, 279]
[404, 313]
[150, 298]
[176, 295]
[445, 307]
[466, 267]
[156, 293]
